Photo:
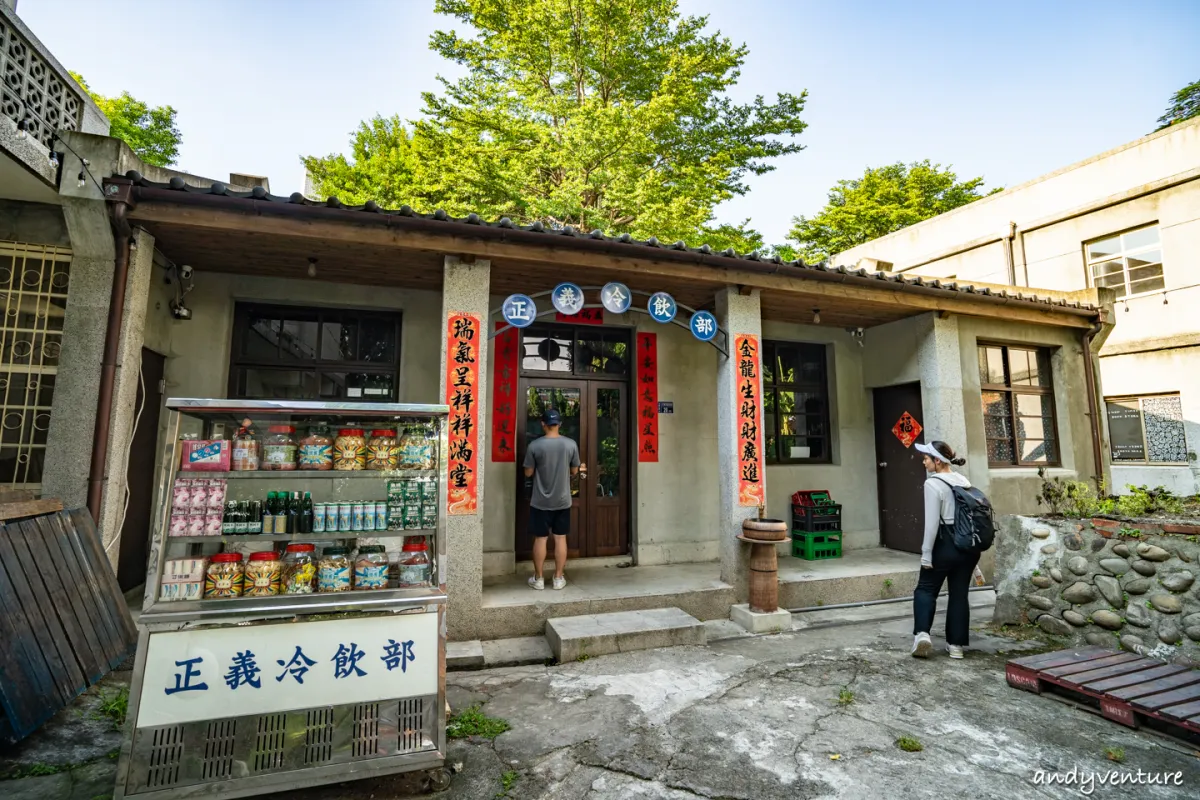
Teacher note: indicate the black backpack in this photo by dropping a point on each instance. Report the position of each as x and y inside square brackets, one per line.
[974, 527]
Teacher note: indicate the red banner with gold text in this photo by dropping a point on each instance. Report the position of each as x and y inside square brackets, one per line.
[647, 404]
[463, 332]
[504, 396]
[587, 316]
[751, 490]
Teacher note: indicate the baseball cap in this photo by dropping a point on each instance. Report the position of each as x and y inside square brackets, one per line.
[551, 417]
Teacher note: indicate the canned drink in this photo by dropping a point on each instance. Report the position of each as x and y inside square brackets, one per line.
[412, 518]
[345, 516]
[381, 517]
[429, 491]
[319, 518]
[368, 517]
[395, 516]
[412, 492]
[429, 515]
[357, 512]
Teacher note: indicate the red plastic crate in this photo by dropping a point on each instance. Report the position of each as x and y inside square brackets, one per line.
[812, 497]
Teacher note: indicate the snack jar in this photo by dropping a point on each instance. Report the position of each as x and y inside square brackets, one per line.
[350, 450]
[383, 452]
[299, 571]
[262, 574]
[371, 567]
[245, 451]
[334, 570]
[316, 449]
[414, 564]
[279, 448]
[224, 576]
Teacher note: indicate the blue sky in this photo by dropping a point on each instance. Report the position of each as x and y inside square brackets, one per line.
[1008, 90]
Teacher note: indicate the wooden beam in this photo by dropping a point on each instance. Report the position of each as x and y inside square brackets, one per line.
[343, 226]
[29, 508]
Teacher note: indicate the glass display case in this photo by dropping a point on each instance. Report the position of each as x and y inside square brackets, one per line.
[292, 630]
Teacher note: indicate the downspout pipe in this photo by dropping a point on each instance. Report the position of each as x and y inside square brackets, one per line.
[1089, 377]
[122, 233]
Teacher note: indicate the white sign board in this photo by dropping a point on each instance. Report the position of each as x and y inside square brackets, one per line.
[259, 669]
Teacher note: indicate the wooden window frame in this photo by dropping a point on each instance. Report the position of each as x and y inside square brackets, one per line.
[244, 311]
[1013, 392]
[573, 332]
[821, 387]
[1145, 462]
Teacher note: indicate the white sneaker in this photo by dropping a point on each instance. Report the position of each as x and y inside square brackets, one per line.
[955, 651]
[537, 583]
[922, 645]
[560, 582]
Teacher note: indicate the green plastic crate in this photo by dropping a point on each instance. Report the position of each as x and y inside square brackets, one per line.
[816, 546]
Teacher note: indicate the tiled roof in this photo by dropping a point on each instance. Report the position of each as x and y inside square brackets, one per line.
[258, 193]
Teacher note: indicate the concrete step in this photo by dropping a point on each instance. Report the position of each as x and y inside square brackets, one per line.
[590, 635]
[517, 652]
[464, 655]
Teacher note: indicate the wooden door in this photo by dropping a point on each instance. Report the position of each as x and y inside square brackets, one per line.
[139, 473]
[900, 474]
[608, 470]
[570, 397]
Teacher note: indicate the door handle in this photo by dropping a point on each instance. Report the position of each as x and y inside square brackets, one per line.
[883, 463]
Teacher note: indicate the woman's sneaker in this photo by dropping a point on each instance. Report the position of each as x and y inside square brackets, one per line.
[922, 645]
[955, 651]
[537, 583]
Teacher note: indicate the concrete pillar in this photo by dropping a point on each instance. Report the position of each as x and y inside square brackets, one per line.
[738, 314]
[465, 289]
[939, 363]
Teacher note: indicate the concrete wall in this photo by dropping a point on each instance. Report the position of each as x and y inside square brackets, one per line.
[33, 223]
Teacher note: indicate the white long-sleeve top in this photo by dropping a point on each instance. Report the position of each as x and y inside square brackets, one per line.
[939, 507]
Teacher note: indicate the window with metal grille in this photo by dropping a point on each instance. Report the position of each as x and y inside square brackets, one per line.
[33, 281]
[295, 353]
[1147, 430]
[1130, 263]
[795, 403]
[1018, 406]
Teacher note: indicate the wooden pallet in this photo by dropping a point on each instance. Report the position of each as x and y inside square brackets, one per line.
[63, 620]
[1127, 688]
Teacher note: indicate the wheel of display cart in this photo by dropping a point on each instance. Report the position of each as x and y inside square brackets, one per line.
[438, 780]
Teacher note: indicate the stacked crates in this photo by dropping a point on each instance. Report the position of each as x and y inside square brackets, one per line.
[816, 525]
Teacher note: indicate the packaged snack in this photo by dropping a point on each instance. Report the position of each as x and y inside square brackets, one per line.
[382, 453]
[279, 448]
[299, 571]
[350, 450]
[263, 574]
[196, 524]
[333, 571]
[212, 523]
[224, 577]
[371, 567]
[178, 525]
[429, 490]
[205, 455]
[316, 450]
[416, 450]
[414, 565]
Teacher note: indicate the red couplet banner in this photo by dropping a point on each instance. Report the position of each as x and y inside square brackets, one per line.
[504, 396]
[751, 491]
[587, 316]
[647, 388]
[462, 395]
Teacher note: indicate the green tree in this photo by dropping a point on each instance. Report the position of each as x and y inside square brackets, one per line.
[883, 200]
[589, 113]
[1185, 104]
[150, 132]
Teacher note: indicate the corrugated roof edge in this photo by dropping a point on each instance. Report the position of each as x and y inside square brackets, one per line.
[371, 207]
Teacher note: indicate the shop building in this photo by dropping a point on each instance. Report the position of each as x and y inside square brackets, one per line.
[230, 291]
[1127, 219]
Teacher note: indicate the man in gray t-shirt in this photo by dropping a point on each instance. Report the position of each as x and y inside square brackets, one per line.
[550, 461]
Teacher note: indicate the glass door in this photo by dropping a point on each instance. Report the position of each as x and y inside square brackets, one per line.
[608, 527]
[570, 399]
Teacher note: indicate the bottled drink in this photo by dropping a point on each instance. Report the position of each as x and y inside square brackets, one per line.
[229, 519]
[242, 520]
[293, 513]
[306, 514]
[268, 514]
[255, 523]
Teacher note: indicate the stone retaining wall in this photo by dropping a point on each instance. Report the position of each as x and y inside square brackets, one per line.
[1135, 583]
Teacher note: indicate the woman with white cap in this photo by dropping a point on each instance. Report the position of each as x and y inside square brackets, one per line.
[941, 561]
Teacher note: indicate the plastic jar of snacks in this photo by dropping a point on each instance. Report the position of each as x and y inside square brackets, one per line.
[224, 576]
[299, 571]
[333, 571]
[262, 574]
[371, 567]
[279, 448]
[414, 565]
[383, 452]
[350, 450]
[316, 449]
[245, 451]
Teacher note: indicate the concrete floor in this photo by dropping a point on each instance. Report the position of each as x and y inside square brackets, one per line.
[610, 583]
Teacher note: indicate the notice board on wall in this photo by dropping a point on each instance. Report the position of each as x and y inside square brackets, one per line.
[1125, 430]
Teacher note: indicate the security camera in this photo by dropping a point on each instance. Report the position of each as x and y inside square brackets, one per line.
[185, 272]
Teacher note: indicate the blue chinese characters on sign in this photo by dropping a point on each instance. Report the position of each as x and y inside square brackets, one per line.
[567, 299]
[183, 682]
[616, 297]
[519, 310]
[661, 307]
[703, 325]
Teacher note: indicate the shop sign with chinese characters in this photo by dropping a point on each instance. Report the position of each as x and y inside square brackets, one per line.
[214, 673]
[647, 404]
[751, 481]
[462, 395]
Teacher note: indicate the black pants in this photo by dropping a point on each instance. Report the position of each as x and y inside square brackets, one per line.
[955, 567]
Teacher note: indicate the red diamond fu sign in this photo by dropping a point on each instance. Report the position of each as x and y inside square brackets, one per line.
[907, 429]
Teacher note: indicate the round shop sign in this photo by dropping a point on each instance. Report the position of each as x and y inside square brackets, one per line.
[616, 297]
[661, 307]
[703, 325]
[567, 299]
[519, 310]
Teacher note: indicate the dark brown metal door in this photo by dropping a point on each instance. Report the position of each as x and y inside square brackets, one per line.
[901, 476]
[135, 532]
[570, 397]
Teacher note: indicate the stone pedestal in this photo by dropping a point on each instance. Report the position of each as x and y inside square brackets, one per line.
[760, 621]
